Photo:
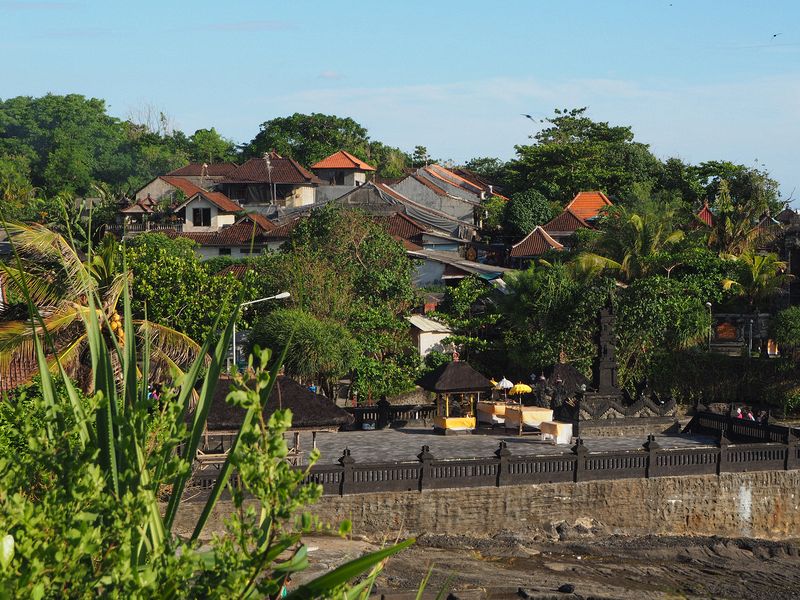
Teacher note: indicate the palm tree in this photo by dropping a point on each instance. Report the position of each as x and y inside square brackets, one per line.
[761, 277]
[630, 243]
[61, 281]
[734, 229]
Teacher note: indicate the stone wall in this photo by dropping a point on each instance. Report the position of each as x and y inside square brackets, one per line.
[762, 504]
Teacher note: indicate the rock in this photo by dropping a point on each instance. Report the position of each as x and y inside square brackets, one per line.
[523, 593]
[567, 588]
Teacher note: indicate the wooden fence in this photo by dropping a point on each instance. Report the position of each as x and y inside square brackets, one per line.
[763, 448]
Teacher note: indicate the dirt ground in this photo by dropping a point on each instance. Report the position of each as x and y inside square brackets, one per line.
[579, 555]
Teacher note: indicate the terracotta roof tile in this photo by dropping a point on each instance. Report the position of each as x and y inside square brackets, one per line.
[535, 243]
[187, 187]
[284, 171]
[567, 221]
[343, 160]
[238, 270]
[401, 226]
[283, 231]
[218, 199]
[263, 222]
[587, 205]
[212, 170]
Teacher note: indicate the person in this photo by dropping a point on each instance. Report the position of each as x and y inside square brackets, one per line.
[763, 417]
[739, 414]
[750, 414]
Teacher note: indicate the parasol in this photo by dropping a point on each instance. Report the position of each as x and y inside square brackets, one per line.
[505, 385]
[520, 388]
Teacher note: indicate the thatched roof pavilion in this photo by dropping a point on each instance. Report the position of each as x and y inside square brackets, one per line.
[570, 377]
[458, 389]
[310, 411]
[456, 376]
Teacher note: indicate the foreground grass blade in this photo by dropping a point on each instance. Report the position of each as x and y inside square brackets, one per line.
[200, 414]
[225, 471]
[322, 585]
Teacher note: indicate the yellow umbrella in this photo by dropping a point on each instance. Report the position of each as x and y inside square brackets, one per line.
[520, 388]
[493, 382]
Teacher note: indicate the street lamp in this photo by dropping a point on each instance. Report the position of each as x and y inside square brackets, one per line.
[710, 325]
[280, 296]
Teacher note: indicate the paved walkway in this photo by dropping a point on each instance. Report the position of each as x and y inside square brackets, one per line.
[404, 444]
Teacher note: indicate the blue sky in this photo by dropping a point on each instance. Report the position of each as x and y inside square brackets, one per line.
[696, 79]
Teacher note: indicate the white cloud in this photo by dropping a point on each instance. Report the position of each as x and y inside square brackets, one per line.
[330, 74]
[734, 120]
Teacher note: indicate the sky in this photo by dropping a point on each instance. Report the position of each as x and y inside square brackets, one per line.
[696, 79]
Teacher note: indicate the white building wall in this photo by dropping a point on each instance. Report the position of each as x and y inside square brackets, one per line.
[431, 340]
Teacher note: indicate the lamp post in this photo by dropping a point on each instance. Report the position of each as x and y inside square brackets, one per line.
[710, 325]
[280, 296]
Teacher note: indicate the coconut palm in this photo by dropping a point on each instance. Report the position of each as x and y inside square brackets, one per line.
[735, 224]
[761, 276]
[60, 281]
[630, 243]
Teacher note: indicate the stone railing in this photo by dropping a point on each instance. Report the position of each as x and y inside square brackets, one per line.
[777, 449]
[384, 414]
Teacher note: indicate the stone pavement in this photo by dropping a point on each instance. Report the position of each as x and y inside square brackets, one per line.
[404, 444]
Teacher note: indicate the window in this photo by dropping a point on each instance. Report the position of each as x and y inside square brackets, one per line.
[224, 251]
[201, 217]
[246, 250]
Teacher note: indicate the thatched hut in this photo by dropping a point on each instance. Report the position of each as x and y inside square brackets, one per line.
[311, 412]
[458, 388]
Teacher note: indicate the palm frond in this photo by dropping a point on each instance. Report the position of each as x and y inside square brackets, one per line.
[38, 240]
[179, 347]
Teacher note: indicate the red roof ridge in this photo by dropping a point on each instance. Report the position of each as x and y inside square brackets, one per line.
[333, 162]
[535, 248]
[588, 204]
[435, 169]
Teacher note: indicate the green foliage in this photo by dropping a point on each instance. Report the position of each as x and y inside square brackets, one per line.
[575, 153]
[89, 523]
[342, 267]
[471, 313]
[526, 210]
[172, 287]
[758, 278]
[656, 314]
[420, 157]
[495, 209]
[206, 145]
[786, 328]
[491, 169]
[319, 351]
[310, 138]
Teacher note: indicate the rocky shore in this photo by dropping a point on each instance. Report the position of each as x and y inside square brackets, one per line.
[579, 560]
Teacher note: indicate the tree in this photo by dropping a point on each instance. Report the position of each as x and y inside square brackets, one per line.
[633, 244]
[575, 153]
[319, 351]
[760, 277]
[656, 314]
[341, 266]
[72, 293]
[786, 330]
[734, 227]
[69, 141]
[310, 138]
[206, 145]
[420, 157]
[525, 211]
[172, 287]
[490, 168]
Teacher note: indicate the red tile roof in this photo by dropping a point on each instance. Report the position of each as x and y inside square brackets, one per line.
[263, 222]
[567, 221]
[705, 215]
[399, 225]
[343, 160]
[284, 171]
[447, 176]
[218, 199]
[238, 234]
[143, 206]
[587, 205]
[212, 170]
[183, 185]
[238, 270]
[535, 243]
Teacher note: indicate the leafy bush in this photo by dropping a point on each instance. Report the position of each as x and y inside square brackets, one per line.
[90, 523]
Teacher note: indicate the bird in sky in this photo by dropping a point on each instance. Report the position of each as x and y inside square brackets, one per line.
[776, 34]
[532, 118]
